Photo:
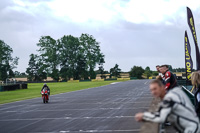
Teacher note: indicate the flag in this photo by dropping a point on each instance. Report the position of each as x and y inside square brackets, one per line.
[190, 20]
[188, 58]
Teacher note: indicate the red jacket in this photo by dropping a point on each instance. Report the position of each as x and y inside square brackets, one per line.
[170, 80]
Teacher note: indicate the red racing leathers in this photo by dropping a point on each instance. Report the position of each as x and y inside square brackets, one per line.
[170, 80]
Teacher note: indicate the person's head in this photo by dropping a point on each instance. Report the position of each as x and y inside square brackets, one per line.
[45, 84]
[163, 68]
[157, 68]
[195, 79]
[157, 88]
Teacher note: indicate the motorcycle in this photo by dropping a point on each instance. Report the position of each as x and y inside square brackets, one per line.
[45, 95]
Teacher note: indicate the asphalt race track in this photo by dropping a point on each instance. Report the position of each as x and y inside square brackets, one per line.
[103, 109]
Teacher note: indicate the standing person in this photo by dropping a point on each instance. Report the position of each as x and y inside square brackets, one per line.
[159, 73]
[195, 79]
[168, 77]
[175, 107]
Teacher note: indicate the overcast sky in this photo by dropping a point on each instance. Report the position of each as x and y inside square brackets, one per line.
[130, 32]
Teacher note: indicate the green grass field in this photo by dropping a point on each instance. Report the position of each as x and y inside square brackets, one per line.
[56, 88]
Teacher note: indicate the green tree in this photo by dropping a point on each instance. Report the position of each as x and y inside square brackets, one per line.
[70, 57]
[49, 52]
[17, 74]
[115, 71]
[101, 69]
[7, 62]
[81, 68]
[79, 56]
[23, 74]
[155, 73]
[147, 72]
[179, 70]
[92, 52]
[136, 71]
[73, 60]
[36, 70]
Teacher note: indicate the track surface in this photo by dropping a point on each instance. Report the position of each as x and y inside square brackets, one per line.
[103, 109]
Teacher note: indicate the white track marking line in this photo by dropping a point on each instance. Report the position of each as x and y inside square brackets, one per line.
[11, 107]
[144, 107]
[146, 82]
[68, 118]
[91, 131]
[26, 125]
[114, 83]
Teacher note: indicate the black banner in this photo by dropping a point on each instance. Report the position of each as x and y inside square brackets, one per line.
[188, 58]
[191, 24]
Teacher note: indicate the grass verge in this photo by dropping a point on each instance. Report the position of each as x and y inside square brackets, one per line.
[34, 89]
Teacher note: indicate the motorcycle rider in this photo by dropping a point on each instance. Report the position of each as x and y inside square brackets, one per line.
[46, 87]
[175, 107]
[168, 77]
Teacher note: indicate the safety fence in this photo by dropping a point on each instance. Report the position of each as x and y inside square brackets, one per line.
[13, 87]
[86, 80]
[98, 80]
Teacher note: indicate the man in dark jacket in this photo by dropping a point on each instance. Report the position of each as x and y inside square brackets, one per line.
[168, 77]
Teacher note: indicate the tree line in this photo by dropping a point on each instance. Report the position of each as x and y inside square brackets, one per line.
[7, 62]
[66, 58]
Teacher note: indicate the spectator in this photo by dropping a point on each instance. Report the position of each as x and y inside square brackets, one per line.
[168, 77]
[157, 68]
[175, 107]
[195, 79]
[160, 75]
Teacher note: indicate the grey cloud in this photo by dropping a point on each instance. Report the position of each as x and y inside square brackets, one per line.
[122, 42]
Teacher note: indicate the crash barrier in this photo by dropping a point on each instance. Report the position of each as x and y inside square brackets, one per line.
[85, 80]
[88, 80]
[123, 78]
[21, 82]
[152, 77]
[189, 94]
[151, 127]
[183, 82]
[73, 81]
[132, 78]
[93, 80]
[110, 79]
[13, 87]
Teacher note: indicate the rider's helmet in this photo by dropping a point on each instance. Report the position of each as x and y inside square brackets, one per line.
[45, 84]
